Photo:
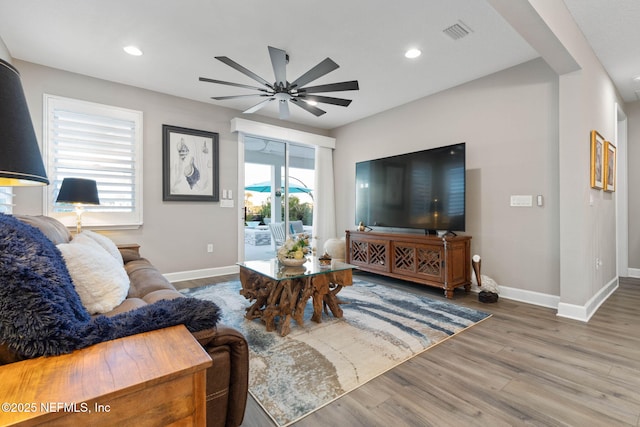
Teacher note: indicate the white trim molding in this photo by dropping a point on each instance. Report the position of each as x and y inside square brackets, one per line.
[280, 133]
[530, 297]
[584, 312]
[201, 274]
[634, 272]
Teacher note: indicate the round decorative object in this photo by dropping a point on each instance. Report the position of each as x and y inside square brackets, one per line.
[292, 262]
[335, 247]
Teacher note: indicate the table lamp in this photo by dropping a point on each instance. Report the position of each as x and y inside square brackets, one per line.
[78, 192]
[20, 162]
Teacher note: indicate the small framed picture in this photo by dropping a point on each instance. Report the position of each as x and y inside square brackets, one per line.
[609, 167]
[597, 160]
[190, 165]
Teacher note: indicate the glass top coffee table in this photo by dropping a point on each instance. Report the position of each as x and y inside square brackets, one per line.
[280, 293]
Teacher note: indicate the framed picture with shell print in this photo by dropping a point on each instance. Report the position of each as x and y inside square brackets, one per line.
[190, 164]
[597, 160]
[609, 167]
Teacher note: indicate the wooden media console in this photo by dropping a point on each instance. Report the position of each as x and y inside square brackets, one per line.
[443, 262]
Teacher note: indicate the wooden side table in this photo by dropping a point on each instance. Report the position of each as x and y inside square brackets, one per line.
[134, 247]
[154, 378]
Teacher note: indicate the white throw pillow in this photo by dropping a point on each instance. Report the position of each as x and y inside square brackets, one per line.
[105, 242]
[99, 279]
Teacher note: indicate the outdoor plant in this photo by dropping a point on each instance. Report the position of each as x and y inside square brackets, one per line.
[297, 210]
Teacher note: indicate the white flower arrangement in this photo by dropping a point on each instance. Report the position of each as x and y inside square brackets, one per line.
[295, 247]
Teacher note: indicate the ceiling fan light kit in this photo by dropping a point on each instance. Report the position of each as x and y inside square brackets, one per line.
[286, 92]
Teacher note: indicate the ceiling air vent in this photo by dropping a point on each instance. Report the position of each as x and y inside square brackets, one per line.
[457, 31]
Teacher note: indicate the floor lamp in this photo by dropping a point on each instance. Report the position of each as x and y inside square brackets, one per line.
[78, 192]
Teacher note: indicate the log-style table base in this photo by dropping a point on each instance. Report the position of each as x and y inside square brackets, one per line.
[285, 299]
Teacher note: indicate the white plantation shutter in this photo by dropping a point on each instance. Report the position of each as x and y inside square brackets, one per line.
[6, 200]
[99, 142]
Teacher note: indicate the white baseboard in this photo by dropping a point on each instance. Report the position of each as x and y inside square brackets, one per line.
[584, 312]
[634, 272]
[200, 274]
[530, 297]
[570, 311]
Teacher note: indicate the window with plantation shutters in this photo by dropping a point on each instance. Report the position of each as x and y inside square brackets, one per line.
[6, 199]
[99, 142]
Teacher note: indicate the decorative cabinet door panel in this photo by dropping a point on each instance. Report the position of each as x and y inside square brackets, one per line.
[373, 254]
[418, 260]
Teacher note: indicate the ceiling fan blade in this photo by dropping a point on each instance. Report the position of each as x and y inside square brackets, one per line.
[258, 106]
[325, 67]
[327, 100]
[222, 98]
[331, 87]
[220, 82]
[279, 63]
[284, 110]
[310, 108]
[233, 64]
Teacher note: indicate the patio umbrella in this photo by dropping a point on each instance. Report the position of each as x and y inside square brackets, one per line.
[265, 187]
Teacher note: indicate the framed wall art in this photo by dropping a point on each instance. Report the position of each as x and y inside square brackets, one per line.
[609, 167]
[190, 165]
[597, 160]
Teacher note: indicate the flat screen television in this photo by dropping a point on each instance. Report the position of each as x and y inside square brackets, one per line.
[420, 190]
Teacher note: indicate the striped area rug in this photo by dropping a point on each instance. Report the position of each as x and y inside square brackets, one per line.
[382, 327]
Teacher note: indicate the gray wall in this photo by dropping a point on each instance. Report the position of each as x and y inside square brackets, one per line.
[633, 116]
[509, 121]
[4, 52]
[528, 133]
[175, 234]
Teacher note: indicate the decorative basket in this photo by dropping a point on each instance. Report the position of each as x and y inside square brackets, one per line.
[325, 260]
[292, 262]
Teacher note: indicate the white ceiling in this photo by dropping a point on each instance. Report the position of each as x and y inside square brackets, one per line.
[366, 38]
[613, 31]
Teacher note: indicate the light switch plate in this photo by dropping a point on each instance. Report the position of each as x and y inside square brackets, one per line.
[522, 201]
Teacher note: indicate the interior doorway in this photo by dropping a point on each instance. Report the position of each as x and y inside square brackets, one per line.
[278, 194]
[622, 194]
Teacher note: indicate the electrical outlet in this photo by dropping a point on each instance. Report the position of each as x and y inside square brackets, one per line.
[210, 247]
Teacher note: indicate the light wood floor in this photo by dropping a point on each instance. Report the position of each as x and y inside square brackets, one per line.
[523, 366]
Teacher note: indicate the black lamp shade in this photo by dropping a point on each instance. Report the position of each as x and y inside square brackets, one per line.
[78, 190]
[20, 159]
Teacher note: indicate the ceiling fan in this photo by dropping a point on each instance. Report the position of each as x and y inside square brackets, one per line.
[284, 91]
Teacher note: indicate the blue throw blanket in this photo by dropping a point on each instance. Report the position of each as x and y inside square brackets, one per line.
[41, 313]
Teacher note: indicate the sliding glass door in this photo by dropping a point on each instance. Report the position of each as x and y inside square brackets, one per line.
[272, 209]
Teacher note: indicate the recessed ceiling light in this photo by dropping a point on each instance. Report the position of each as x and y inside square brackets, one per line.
[412, 53]
[636, 79]
[132, 50]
